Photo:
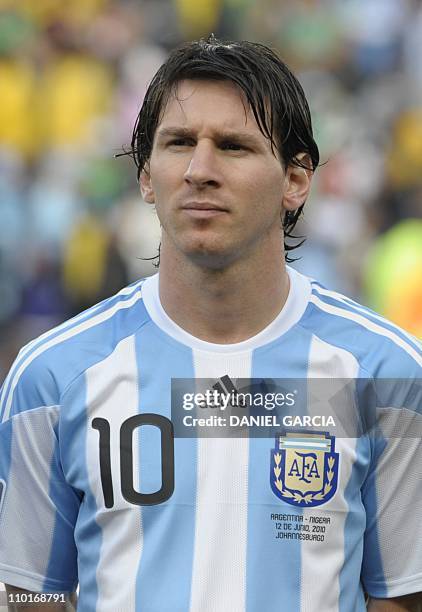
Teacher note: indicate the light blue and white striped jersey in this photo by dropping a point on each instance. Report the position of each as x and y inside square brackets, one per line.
[236, 527]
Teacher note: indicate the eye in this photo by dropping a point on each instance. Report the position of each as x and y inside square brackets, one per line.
[180, 142]
[232, 146]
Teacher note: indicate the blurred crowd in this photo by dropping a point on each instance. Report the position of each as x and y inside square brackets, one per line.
[73, 227]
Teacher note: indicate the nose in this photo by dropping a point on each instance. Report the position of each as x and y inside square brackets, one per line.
[203, 167]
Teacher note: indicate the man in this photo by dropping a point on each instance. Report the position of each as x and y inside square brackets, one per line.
[100, 488]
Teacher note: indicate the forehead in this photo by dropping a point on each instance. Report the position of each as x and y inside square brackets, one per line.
[208, 103]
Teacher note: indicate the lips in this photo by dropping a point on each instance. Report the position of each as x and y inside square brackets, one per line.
[204, 206]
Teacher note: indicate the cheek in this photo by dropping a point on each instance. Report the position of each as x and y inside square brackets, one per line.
[165, 178]
[266, 191]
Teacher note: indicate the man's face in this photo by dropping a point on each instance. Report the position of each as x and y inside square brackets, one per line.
[216, 184]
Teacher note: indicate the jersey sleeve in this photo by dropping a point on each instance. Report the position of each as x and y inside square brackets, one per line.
[392, 559]
[38, 508]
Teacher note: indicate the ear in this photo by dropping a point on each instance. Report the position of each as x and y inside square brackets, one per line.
[146, 187]
[297, 183]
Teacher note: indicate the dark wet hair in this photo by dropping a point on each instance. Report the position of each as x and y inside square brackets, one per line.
[275, 96]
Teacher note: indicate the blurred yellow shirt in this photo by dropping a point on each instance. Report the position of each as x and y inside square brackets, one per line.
[198, 18]
[74, 91]
[393, 275]
[85, 256]
[17, 127]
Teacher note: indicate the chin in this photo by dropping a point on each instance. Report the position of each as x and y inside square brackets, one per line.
[211, 258]
[206, 251]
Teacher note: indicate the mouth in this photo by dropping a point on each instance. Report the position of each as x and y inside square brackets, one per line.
[203, 209]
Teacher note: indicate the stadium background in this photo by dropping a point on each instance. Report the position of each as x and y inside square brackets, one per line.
[73, 228]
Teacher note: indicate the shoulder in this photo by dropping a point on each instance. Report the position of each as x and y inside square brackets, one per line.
[46, 366]
[382, 349]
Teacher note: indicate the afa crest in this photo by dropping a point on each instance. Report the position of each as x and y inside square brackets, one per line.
[304, 468]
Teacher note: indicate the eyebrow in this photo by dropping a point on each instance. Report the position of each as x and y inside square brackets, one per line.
[221, 136]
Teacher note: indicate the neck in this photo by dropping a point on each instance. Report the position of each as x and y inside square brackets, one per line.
[227, 305]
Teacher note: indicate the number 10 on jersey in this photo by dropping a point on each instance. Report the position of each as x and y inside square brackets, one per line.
[126, 459]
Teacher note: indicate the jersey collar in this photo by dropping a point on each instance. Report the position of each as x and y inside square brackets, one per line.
[292, 311]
